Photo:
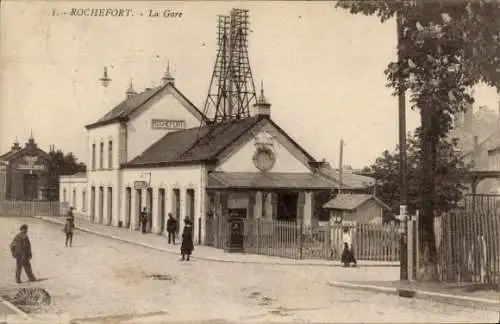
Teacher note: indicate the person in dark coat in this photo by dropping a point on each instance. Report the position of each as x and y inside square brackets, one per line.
[21, 251]
[347, 254]
[187, 246]
[68, 229]
[171, 228]
[143, 219]
[70, 214]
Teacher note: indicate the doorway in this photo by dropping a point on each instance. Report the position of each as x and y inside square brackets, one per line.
[149, 206]
[128, 206]
[287, 206]
[110, 206]
[176, 206]
[161, 209]
[138, 200]
[101, 205]
[30, 186]
[92, 204]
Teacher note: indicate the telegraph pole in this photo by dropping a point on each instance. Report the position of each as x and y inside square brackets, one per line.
[341, 153]
[403, 268]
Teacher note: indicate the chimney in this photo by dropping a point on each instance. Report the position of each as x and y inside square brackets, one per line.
[16, 146]
[130, 91]
[262, 107]
[167, 77]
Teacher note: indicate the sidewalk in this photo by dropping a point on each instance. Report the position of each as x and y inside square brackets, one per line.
[201, 252]
[466, 295]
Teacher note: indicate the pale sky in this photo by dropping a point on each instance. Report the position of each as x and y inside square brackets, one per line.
[322, 70]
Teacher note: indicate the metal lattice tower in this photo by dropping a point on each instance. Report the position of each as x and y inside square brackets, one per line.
[232, 90]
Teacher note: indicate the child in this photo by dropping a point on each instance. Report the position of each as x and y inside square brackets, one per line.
[68, 229]
[347, 254]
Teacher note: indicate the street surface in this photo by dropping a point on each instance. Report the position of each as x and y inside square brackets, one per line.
[100, 277]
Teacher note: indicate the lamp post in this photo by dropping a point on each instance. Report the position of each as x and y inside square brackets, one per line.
[105, 80]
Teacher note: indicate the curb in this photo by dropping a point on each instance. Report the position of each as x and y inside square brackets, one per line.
[335, 264]
[470, 302]
[15, 309]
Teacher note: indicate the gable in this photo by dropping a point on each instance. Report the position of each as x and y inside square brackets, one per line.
[167, 112]
[288, 157]
[32, 159]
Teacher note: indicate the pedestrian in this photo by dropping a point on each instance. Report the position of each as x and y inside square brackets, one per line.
[70, 213]
[171, 228]
[21, 251]
[187, 246]
[68, 229]
[143, 218]
[348, 253]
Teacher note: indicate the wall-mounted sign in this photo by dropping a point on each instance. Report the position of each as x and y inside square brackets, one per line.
[30, 164]
[168, 124]
[140, 184]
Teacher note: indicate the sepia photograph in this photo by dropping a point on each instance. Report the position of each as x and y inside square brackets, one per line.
[249, 161]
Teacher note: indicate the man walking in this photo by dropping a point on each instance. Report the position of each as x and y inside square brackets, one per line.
[143, 218]
[171, 228]
[21, 251]
[68, 229]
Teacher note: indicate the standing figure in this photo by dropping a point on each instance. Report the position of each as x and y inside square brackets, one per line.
[187, 245]
[68, 229]
[21, 251]
[171, 228]
[70, 213]
[143, 219]
[348, 253]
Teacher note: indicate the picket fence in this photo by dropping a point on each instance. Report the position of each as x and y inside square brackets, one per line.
[32, 208]
[468, 242]
[296, 241]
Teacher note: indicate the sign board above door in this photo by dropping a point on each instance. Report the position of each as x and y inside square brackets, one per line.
[140, 184]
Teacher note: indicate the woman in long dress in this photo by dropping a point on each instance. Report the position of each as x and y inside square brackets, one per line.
[187, 245]
[347, 254]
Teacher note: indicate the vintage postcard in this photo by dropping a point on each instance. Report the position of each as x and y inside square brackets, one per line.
[238, 161]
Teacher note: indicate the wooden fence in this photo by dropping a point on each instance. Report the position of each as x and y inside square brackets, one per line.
[32, 208]
[294, 240]
[468, 242]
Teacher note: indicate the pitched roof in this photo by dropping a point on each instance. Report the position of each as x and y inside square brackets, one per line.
[130, 105]
[193, 144]
[351, 201]
[257, 180]
[349, 180]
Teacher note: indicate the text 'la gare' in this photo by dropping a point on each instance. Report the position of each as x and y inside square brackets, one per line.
[165, 13]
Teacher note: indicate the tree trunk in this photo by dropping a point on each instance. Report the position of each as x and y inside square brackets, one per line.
[428, 252]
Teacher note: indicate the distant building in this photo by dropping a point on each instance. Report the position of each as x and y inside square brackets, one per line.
[356, 208]
[478, 139]
[24, 173]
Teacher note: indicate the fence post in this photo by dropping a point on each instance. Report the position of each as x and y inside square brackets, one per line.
[301, 229]
[410, 249]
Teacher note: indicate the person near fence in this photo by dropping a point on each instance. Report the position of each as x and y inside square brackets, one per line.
[171, 228]
[69, 227]
[187, 245]
[143, 219]
[21, 251]
[348, 253]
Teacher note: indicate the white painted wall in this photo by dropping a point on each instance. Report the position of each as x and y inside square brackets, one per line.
[70, 184]
[241, 160]
[168, 178]
[168, 105]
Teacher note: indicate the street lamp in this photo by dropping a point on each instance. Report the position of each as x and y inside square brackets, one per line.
[105, 80]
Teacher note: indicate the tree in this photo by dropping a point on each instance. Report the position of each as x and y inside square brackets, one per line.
[62, 164]
[445, 48]
[451, 176]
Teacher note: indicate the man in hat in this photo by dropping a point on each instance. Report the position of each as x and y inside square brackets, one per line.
[21, 251]
[171, 228]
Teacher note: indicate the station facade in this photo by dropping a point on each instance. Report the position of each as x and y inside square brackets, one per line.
[150, 151]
